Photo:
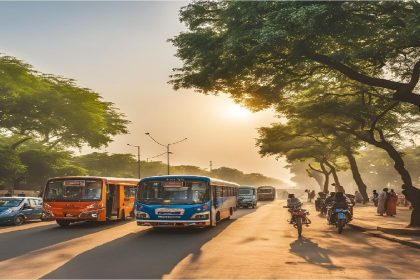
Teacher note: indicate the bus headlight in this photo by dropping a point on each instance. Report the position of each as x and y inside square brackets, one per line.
[201, 216]
[142, 215]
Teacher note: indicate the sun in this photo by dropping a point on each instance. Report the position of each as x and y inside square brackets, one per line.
[238, 112]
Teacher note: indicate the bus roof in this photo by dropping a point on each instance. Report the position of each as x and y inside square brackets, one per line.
[247, 187]
[212, 181]
[267, 187]
[109, 179]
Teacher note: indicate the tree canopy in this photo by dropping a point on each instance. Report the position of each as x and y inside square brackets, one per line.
[263, 52]
[53, 109]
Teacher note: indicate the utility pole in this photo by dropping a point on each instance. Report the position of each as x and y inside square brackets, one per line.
[211, 166]
[138, 157]
[168, 152]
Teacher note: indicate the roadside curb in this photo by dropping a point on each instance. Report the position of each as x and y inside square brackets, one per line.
[380, 234]
[400, 231]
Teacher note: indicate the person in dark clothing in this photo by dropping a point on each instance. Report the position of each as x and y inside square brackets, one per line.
[330, 199]
[339, 201]
[375, 198]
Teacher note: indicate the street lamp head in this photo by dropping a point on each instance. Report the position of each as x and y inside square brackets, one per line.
[147, 133]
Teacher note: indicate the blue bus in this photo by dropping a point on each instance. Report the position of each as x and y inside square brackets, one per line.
[184, 200]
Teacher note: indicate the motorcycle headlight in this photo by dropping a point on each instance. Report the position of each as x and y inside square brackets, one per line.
[201, 216]
[142, 215]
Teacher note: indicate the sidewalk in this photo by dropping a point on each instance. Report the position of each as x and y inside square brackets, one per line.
[392, 228]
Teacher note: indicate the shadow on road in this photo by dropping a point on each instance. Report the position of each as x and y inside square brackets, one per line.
[148, 254]
[312, 253]
[16, 243]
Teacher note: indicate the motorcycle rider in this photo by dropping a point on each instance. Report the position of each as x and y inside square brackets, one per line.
[339, 201]
[320, 201]
[292, 202]
[330, 199]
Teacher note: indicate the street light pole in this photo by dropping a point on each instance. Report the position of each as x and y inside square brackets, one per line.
[167, 147]
[167, 153]
[138, 157]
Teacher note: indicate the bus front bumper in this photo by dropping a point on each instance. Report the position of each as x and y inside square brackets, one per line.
[173, 223]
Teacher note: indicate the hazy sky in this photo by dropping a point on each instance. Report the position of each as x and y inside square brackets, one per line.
[121, 51]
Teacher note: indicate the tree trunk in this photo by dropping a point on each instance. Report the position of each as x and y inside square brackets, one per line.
[326, 183]
[356, 175]
[327, 178]
[316, 176]
[414, 194]
[338, 186]
[398, 161]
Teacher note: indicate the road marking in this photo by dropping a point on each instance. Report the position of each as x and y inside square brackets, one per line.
[35, 264]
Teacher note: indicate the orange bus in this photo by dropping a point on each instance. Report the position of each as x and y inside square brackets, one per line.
[86, 198]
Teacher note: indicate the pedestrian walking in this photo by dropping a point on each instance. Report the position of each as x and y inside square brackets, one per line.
[358, 197]
[391, 203]
[382, 201]
[309, 194]
[375, 197]
[312, 195]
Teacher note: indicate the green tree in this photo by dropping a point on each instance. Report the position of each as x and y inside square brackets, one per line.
[52, 109]
[296, 145]
[262, 52]
[104, 164]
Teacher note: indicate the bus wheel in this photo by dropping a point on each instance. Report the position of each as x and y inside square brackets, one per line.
[63, 223]
[123, 218]
[217, 217]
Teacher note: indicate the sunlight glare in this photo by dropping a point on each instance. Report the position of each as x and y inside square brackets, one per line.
[238, 112]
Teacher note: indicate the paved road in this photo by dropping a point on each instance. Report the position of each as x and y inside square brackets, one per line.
[254, 244]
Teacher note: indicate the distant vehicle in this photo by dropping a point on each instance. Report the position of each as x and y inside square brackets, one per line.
[83, 198]
[17, 210]
[266, 193]
[247, 196]
[184, 200]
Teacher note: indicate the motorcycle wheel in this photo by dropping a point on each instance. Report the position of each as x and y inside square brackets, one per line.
[340, 226]
[299, 225]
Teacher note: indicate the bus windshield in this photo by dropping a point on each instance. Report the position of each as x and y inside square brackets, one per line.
[173, 192]
[73, 190]
[267, 190]
[246, 191]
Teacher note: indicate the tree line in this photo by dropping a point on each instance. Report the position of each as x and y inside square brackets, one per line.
[34, 164]
[344, 76]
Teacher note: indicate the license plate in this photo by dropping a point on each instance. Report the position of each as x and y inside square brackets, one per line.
[69, 215]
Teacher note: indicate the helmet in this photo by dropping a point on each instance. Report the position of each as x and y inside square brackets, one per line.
[291, 195]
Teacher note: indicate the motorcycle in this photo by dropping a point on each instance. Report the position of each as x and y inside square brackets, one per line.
[339, 217]
[299, 218]
[320, 206]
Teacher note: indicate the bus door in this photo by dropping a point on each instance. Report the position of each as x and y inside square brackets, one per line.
[129, 197]
[218, 202]
[112, 200]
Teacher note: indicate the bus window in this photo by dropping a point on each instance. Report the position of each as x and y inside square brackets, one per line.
[133, 191]
[127, 191]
